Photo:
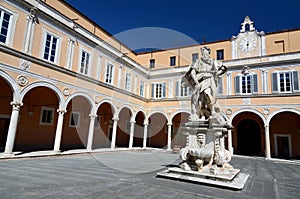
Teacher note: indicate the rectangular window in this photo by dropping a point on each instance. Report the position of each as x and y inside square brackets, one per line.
[220, 54]
[152, 63]
[109, 73]
[285, 82]
[74, 119]
[173, 61]
[47, 115]
[128, 82]
[5, 20]
[182, 91]
[50, 50]
[246, 84]
[142, 89]
[84, 63]
[195, 56]
[158, 90]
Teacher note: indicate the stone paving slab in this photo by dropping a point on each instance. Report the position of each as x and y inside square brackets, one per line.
[132, 174]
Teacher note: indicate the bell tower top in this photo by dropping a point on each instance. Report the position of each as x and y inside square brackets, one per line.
[247, 25]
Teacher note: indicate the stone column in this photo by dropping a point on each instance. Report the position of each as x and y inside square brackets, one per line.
[131, 134]
[114, 133]
[11, 135]
[169, 137]
[267, 138]
[230, 148]
[91, 132]
[145, 135]
[58, 134]
[31, 20]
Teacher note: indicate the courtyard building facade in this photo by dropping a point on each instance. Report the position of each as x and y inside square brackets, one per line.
[66, 84]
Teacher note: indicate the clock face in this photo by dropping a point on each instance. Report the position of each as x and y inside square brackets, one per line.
[247, 44]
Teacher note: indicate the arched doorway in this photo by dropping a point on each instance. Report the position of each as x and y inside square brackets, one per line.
[285, 135]
[139, 130]
[123, 130]
[6, 96]
[38, 120]
[157, 131]
[178, 136]
[76, 124]
[103, 126]
[249, 138]
[248, 134]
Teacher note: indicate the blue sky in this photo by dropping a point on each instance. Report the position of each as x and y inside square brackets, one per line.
[195, 19]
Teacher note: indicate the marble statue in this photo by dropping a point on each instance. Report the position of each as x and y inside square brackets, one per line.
[206, 127]
[202, 77]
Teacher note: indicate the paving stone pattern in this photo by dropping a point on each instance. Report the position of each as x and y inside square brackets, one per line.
[93, 176]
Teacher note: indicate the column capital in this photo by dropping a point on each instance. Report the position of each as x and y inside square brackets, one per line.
[115, 119]
[16, 105]
[93, 116]
[132, 121]
[61, 111]
[146, 123]
[169, 124]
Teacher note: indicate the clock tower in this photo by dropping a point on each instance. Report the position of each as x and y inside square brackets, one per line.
[249, 42]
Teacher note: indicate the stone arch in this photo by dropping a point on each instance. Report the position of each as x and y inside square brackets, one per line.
[52, 87]
[179, 111]
[111, 104]
[157, 129]
[138, 111]
[284, 133]
[280, 111]
[130, 109]
[248, 136]
[12, 83]
[80, 94]
[161, 112]
[248, 110]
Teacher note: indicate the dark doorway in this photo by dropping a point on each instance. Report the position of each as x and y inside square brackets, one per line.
[283, 147]
[4, 124]
[249, 138]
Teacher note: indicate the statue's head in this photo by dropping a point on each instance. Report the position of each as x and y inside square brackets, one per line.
[205, 48]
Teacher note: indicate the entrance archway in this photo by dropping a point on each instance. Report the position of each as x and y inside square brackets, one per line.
[248, 135]
[249, 138]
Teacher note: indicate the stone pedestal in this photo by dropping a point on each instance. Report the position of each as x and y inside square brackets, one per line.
[204, 158]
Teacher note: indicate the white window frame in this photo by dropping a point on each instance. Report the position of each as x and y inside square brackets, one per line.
[87, 65]
[70, 120]
[110, 73]
[252, 86]
[57, 50]
[44, 108]
[128, 78]
[291, 72]
[11, 26]
[158, 90]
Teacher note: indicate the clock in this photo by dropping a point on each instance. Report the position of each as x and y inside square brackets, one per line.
[247, 44]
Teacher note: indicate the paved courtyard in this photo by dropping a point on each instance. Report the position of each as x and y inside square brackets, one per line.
[131, 174]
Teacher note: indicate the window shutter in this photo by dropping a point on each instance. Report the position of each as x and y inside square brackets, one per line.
[152, 91]
[254, 83]
[237, 84]
[177, 88]
[274, 82]
[295, 81]
[164, 90]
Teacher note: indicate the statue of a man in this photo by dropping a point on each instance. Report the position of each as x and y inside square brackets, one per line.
[203, 77]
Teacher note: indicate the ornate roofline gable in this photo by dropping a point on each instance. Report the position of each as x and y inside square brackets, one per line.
[247, 25]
